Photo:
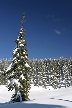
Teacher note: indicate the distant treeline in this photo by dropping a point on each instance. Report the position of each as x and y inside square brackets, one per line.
[44, 71]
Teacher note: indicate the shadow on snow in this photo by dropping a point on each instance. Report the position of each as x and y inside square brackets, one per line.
[29, 105]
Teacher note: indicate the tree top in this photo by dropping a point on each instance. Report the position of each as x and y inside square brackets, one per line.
[23, 20]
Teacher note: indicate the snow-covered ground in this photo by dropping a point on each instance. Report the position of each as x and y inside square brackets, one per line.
[40, 98]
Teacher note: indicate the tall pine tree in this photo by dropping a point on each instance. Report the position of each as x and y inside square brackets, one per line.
[19, 70]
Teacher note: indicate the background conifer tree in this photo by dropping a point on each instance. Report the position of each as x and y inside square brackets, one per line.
[18, 71]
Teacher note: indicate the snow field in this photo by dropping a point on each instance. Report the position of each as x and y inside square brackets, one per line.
[40, 97]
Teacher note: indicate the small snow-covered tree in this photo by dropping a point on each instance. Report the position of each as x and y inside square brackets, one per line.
[18, 71]
[3, 77]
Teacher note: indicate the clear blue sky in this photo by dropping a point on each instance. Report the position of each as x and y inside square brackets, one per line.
[48, 27]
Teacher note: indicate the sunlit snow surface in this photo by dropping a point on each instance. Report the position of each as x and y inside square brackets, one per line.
[40, 98]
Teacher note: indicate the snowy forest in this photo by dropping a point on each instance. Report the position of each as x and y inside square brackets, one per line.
[20, 72]
[44, 71]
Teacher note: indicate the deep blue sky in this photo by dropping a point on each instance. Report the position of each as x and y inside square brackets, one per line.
[48, 27]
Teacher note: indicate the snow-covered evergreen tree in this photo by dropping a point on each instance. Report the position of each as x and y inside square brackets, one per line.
[3, 67]
[66, 72]
[18, 71]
